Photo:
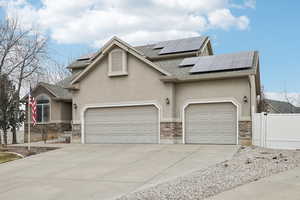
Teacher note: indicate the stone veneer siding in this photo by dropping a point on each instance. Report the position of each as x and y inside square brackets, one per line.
[171, 132]
[245, 132]
[52, 131]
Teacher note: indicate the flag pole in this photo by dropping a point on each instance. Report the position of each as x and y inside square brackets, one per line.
[29, 96]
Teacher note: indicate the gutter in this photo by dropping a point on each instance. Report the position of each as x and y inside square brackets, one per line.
[172, 79]
[62, 99]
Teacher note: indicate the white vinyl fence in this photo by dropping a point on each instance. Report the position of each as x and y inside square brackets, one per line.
[279, 131]
[20, 137]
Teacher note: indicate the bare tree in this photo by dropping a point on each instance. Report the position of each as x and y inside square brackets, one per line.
[53, 72]
[22, 53]
[263, 105]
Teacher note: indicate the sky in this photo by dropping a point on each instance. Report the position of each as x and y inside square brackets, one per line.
[82, 26]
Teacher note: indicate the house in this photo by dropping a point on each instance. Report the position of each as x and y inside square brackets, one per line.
[274, 106]
[173, 91]
[54, 111]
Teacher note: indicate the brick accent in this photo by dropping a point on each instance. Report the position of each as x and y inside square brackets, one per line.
[171, 132]
[49, 130]
[245, 133]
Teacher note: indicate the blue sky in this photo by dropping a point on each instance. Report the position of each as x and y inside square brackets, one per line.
[274, 31]
[271, 27]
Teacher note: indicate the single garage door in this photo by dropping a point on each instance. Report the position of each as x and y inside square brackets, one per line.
[130, 124]
[211, 123]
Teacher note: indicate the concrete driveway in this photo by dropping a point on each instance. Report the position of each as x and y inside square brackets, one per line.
[285, 185]
[103, 171]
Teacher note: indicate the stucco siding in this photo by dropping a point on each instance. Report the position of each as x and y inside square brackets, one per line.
[59, 111]
[214, 90]
[66, 111]
[55, 111]
[141, 84]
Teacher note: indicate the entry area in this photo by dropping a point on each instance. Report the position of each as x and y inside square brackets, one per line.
[123, 124]
[210, 123]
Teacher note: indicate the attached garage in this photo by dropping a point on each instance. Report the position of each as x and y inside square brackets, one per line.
[125, 124]
[210, 123]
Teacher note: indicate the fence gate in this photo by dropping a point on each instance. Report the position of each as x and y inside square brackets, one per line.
[280, 131]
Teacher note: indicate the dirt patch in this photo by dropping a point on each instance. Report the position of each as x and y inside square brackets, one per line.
[24, 150]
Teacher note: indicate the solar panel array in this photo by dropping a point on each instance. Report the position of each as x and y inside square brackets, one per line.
[181, 45]
[223, 62]
[219, 62]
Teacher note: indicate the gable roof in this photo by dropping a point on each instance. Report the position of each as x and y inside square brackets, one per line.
[170, 64]
[123, 45]
[58, 90]
[282, 106]
[150, 51]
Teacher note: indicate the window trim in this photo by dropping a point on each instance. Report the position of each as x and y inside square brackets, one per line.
[47, 96]
[124, 71]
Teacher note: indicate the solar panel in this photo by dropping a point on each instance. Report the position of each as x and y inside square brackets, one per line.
[189, 61]
[183, 45]
[223, 62]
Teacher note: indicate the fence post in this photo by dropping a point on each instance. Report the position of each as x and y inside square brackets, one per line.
[266, 129]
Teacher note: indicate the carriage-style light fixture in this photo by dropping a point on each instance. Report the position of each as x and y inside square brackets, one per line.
[245, 99]
[75, 106]
[167, 101]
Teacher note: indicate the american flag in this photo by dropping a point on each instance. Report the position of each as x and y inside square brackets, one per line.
[32, 105]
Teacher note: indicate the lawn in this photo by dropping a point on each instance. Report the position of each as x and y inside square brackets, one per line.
[6, 157]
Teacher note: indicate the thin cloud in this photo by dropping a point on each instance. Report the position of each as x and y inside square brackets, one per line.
[92, 22]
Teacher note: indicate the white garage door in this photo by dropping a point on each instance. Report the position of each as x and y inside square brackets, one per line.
[130, 124]
[211, 123]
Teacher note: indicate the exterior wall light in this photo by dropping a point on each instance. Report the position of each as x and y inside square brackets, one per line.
[245, 99]
[167, 101]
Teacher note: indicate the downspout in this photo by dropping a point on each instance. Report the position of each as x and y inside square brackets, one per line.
[253, 104]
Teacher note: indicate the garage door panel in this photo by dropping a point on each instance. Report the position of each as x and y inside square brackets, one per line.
[131, 124]
[213, 123]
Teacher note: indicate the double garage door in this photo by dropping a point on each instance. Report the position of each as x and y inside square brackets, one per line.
[129, 124]
[213, 123]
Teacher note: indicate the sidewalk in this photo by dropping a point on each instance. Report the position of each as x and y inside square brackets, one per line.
[285, 185]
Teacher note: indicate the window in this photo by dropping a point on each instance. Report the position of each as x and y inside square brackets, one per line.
[43, 109]
[117, 63]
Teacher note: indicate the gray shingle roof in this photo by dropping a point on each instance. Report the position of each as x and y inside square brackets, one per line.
[147, 50]
[281, 106]
[57, 90]
[171, 64]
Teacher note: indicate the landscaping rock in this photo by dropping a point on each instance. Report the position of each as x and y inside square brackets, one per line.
[248, 165]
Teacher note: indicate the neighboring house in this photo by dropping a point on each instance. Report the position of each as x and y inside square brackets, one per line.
[54, 111]
[274, 106]
[173, 91]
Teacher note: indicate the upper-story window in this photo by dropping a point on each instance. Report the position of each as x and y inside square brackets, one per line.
[117, 62]
[43, 108]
